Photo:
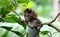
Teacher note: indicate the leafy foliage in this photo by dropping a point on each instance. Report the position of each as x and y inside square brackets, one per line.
[9, 19]
[18, 20]
[9, 29]
[6, 7]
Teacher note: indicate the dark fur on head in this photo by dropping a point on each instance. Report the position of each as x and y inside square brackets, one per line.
[33, 15]
[28, 10]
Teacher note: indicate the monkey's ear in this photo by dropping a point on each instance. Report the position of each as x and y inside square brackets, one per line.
[35, 15]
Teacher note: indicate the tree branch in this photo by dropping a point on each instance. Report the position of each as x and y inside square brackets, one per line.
[55, 18]
[17, 15]
[50, 23]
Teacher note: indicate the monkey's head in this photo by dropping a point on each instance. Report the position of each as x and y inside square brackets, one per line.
[29, 15]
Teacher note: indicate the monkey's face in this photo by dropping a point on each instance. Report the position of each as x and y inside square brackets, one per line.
[28, 16]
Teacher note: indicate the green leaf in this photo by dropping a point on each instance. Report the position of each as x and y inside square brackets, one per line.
[23, 1]
[4, 3]
[5, 10]
[9, 19]
[44, 32]
[18, 20]
[5, 34]
[18, 33]
[5, 27]
[9, 29]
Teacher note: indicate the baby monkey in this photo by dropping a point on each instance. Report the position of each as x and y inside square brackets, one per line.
[33, 23]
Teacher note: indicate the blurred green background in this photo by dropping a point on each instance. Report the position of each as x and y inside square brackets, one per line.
[8, 18]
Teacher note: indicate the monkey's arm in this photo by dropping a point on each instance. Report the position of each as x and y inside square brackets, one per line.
[36, 24]
[28, 24]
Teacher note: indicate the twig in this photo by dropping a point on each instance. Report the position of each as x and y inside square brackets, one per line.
[50, 23]
[17, 15]
[55, 18]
